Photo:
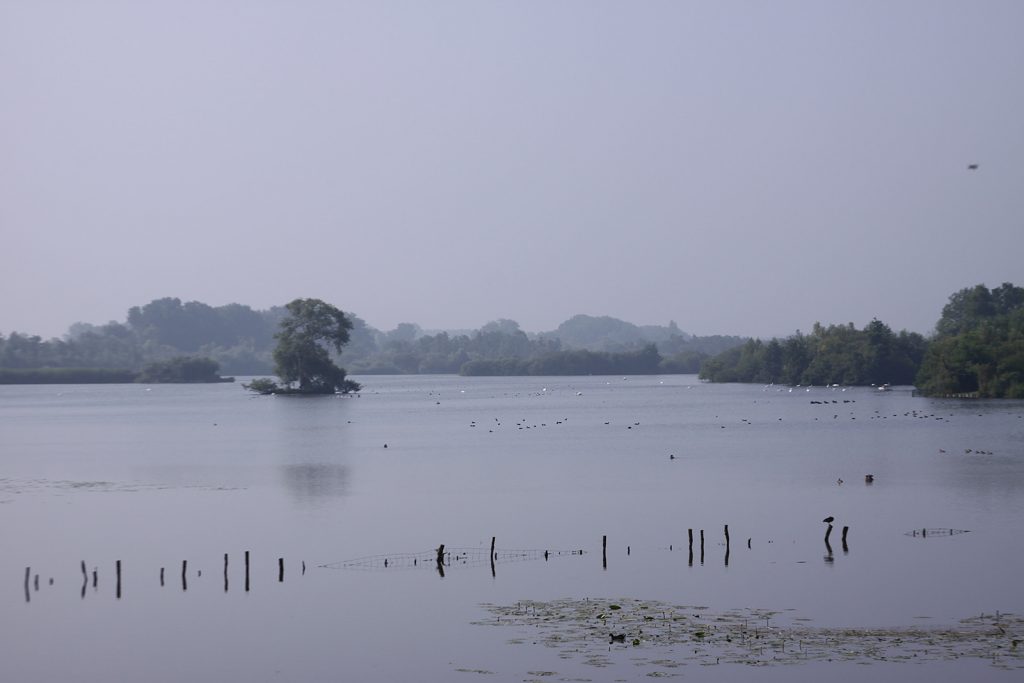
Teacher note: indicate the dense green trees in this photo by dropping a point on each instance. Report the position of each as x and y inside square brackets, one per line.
[645, 361]
[837, 354]
[979, 345]
[978, 348]
[192, 325]
[241, 340]
[182, 370]
[301, 357]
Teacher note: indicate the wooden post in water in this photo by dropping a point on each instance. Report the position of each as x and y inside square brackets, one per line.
[828, 546]
[280, 570]
[604, 552]
[225, 572]
[85, 574]
[184, 578]
[119, 579]
[689, 532]
[28, 574]
[246, 571]
[846, 548]
[440, 560]
[95, 578]
[493, 539]
[161, 576]
[702, 546]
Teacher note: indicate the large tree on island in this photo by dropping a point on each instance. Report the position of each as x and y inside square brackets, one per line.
[310, 329]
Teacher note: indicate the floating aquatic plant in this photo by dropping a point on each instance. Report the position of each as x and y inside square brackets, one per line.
[679, 635]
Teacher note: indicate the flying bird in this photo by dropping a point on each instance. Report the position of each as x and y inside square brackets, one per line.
[972, 167]
[829, 519]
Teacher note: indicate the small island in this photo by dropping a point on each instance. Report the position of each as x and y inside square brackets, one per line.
[301, 358]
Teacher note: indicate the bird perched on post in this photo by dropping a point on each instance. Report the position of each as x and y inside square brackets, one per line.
[829, 519]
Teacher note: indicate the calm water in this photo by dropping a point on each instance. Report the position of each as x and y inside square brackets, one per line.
[156, 475]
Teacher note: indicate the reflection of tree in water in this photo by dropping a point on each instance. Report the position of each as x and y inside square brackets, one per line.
[308, 481]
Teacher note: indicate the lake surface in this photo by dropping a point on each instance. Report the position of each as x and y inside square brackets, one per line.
[157, 475]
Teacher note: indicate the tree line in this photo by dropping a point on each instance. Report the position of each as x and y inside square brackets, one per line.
[242, 340]
[977, 348]
[178, 370]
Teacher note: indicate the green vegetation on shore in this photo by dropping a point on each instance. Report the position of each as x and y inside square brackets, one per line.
[65, 376]
[181, 370]
[837, 354]
[979, 345]
[646, 361]
[242, 341]
[977, 349]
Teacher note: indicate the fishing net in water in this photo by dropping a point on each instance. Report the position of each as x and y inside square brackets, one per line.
[926, 533]
[453, 558]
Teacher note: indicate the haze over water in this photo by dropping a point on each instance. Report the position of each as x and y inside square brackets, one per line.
[455, 162]
[153, 475]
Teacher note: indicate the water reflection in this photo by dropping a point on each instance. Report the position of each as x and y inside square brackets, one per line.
[308, 482]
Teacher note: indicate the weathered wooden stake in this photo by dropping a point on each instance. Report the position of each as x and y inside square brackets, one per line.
[184, 577]
[702, 546]
[28, 574]
[118, 579]
[846, 548]
[604, 552]
[280, 570]
[161, 576]
[440, 554]
[95, 578]
[246, 571]
[493, 539]
[85, 574]
[225, 572]
[303, 567]
[726, 535]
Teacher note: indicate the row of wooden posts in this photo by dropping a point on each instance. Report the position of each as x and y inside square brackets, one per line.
[440, 563]
[689, 532]
[34, 582]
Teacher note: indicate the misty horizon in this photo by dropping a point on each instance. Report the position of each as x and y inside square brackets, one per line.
[744, 169]
[427, 329]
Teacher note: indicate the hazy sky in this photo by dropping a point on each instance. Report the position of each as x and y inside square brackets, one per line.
[738, 167]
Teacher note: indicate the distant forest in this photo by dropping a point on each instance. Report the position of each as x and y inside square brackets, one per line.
[977, 349]
[240, 340]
